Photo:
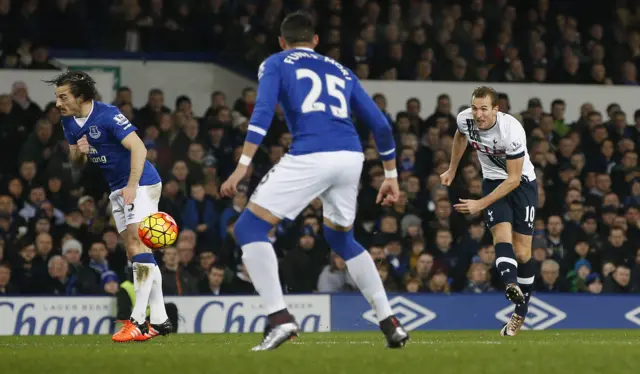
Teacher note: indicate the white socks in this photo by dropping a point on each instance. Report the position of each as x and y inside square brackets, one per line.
[143, 274]
[156, 299]
[147, 283]
[262, 266]
[364, 273]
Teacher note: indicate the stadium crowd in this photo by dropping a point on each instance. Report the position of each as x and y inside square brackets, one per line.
[58, 237]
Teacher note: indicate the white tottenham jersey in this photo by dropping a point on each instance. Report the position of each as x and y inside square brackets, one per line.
[505, 140]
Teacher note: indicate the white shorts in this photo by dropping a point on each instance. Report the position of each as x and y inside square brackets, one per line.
[145, 203]
[296, 180]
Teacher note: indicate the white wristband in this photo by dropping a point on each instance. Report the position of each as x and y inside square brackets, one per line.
[245, 160]
[391, 173]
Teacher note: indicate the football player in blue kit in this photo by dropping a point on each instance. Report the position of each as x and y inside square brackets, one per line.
[100, 134]
[318, 96]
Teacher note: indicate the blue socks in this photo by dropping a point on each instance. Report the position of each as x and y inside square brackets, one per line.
[144, 258]
[251, 229]
[343, 243]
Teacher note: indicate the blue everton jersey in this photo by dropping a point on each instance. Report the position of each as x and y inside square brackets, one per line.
[318, 96]
[105, 128]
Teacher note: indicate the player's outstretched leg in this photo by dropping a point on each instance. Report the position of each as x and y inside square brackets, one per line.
[260, 259]
[364, 273]
[144, 273]
[508, 268]
[159, 321]
[526, 277]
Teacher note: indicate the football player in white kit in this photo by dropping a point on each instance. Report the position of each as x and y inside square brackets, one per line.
[510, 193]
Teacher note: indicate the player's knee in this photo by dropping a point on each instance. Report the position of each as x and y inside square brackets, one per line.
[133, 244]
[250, 229]
[343, 243]
[502, 233]
[522, 255]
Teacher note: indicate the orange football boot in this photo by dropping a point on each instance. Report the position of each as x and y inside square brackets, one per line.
[129, 332]
[164, 328]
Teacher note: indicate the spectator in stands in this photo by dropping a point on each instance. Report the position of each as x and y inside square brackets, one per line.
[87, 280]
[335, 277]
[6, 287]
[550, 279]
[302, 267]
[186, 256]
[439, 282]
[215, 282]
[478, 279]
[176, 281]
[199, 215]
[594, 283]
[59, 281]
[384, 272]
[619, 281]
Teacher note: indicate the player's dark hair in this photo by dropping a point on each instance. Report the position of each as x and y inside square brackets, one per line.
[80, 83]
[124, 89]
[557, 102]
[485, 91]
[297, 28]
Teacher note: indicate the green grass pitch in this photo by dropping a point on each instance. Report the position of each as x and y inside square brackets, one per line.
[459, 352]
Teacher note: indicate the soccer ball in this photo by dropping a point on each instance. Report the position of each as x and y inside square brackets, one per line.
[158, 230]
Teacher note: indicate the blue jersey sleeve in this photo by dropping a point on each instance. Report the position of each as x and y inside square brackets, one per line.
[118, 125]
[365, 109]
[268, 91]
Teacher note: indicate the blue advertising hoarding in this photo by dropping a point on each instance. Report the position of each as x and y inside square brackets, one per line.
[351, 312]
[324, 312]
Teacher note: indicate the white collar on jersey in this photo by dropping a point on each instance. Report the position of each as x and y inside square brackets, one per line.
[82, 121]
[305, 49]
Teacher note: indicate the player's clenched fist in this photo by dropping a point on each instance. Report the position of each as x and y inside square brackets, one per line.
[447, 177]
[83, 145]
[389, 192]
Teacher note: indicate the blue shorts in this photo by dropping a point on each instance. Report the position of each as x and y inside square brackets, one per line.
[518, 207]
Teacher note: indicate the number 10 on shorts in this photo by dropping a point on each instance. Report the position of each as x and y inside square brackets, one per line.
[530, 214]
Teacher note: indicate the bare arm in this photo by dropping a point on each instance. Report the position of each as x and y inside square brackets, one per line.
[389, 164]
[514, 172]
[248, 149]
[457, 150]
[133, 143]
